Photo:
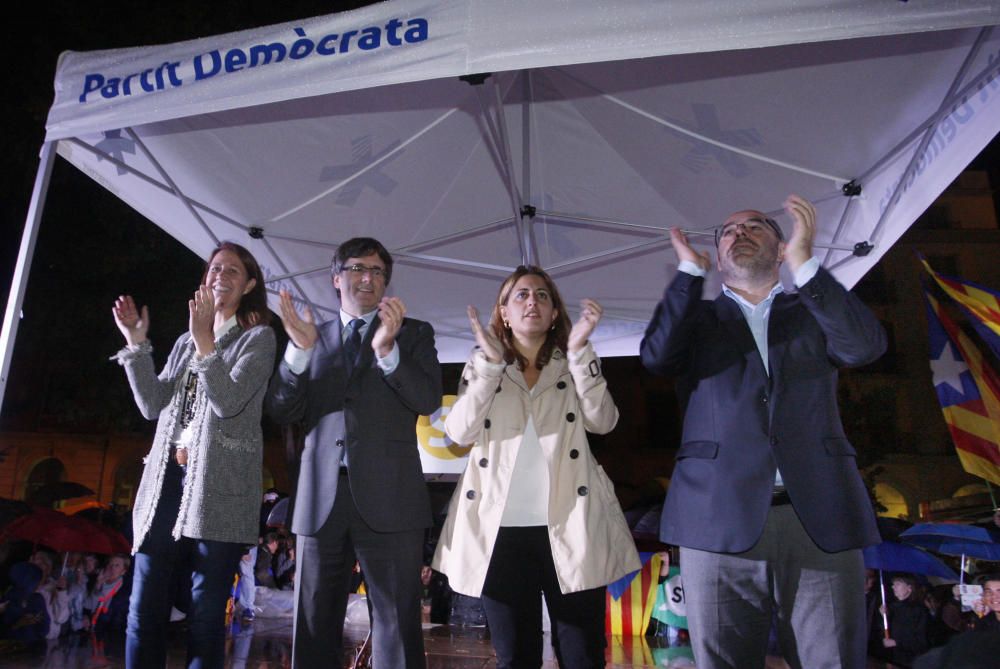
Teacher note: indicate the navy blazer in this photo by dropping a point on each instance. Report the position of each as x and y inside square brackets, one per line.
[741, 423]
[371, 414]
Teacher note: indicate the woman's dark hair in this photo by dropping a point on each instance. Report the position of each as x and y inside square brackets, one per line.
[253, 306]
[557, 337]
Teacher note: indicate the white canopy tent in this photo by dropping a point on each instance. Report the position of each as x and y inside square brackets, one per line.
[599, 126]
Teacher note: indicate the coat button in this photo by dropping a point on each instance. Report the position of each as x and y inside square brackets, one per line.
[574, 454]
[471, 494]
[571, 416]
[582, 491]
[483, 462]
[340, 442]
[764, 399]
[486, 423]
[499, 388]
[465, 382]
[561, 385]
[774, 441]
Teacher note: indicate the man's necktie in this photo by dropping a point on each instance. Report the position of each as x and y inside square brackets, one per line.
[352, 343]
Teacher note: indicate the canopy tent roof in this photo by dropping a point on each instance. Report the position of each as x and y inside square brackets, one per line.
[601, 126]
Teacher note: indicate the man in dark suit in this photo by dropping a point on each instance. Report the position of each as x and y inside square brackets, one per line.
[357, 384]
[765, 499]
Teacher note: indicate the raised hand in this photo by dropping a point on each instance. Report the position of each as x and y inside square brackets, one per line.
[132, 324]
[201, 320]
[590, 315]
[485, 338]
[799, 246]
[684, 251]
[302, 331]
[391, 311]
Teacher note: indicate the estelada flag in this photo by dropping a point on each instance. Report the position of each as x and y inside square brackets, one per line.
[969, 393]
[982, 304]
[630, 599]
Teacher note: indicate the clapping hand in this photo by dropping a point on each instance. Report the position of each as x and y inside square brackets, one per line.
[391, 312]
[130, 322]
[799, 246]
[201, 320]
[684, 251]
[485, 339]
[302, 331]
[590, 315]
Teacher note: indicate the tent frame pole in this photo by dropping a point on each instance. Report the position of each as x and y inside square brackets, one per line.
[22, 269]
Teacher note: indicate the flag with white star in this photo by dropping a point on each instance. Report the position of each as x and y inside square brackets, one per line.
[969, 393]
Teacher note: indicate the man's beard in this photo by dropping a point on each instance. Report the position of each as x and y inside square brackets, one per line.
[754, 266]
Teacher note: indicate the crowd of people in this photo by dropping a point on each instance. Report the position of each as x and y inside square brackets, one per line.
[918, 621]
[765, 501]
[49, 597]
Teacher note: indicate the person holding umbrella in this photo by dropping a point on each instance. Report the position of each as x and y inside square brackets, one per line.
[199, 497]
[907, 637]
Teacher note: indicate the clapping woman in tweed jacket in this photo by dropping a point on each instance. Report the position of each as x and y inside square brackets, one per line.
[197, 504]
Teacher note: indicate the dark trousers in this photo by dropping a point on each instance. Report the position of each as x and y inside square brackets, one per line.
[521, 570]
[212, 565]
[814, 599]
[391, 565]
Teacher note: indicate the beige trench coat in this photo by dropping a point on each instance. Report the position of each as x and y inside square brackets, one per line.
[591, 544]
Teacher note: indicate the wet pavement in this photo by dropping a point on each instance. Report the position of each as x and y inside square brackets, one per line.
[266, 644]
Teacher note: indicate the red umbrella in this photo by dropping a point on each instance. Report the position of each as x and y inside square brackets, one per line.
[66, 533]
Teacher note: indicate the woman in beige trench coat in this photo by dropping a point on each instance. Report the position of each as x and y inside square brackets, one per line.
[534, 513]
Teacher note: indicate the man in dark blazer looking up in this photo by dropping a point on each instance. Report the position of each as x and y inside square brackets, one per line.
[357, 384]
[765, 500]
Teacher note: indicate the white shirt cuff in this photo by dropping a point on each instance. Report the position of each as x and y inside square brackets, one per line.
[806, 271]
[691, 268]
[389, 363]
[297, 359]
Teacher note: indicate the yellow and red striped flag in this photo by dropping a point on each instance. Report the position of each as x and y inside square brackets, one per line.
[969, 393]
[631, 598]
[982, 304]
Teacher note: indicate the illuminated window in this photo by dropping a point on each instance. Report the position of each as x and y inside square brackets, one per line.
[892, 500]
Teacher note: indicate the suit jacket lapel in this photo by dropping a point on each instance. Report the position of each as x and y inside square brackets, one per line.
[734, 323]
[777, 332]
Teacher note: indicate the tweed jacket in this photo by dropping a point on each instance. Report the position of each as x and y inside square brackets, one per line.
[221, 498]
[590, 541]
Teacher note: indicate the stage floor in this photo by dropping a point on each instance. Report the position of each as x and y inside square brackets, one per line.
[266, 644]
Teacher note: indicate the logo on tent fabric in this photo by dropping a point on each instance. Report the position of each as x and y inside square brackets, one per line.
[707, 123]
[362, 157]
[116, 146]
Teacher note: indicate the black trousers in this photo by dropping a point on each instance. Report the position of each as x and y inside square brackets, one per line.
[391, 565]
[521, 569]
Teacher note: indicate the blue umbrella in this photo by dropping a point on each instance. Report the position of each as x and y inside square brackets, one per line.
[893, 556]
[955, 539]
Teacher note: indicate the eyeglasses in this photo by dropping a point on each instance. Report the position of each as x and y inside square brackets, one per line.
[751, 226]
[359, 270]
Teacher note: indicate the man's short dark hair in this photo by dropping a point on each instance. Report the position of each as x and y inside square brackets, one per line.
[359, 247]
